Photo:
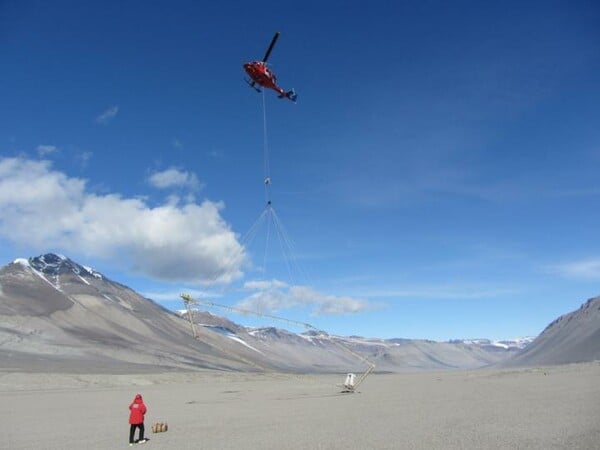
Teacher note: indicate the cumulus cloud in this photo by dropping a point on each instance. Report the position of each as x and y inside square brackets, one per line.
[175, 295]
[107, 115]
[174, 178]
[587, 269]
[43, 208]
[276, 295]
[261, 285]
[44, 150]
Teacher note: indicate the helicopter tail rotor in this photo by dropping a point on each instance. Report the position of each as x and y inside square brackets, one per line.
[291, 95]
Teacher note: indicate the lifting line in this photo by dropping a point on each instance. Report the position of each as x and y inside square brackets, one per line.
[267, 178]
[286, 243]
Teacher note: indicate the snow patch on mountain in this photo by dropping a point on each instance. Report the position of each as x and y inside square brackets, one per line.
[24, 262]
[229, 334]
[506, 344]
[51, 266]
[27, 264]
[318, 338]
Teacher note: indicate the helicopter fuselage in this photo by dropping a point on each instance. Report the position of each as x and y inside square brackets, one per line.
[263, 76]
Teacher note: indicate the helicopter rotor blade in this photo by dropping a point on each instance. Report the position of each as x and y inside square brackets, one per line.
[271, 46]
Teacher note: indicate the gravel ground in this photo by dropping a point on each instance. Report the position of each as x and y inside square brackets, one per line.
[539, 408]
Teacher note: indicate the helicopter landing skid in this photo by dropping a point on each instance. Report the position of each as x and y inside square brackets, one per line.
[252, 85]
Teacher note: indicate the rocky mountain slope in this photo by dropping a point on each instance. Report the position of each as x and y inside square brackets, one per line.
[572, 338]
[58, 315]
[55, 313]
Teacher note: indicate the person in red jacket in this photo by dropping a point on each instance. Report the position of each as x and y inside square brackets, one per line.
[136, 419]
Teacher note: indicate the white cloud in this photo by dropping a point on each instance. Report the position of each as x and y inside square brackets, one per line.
[267, 301]
[174, 178]
[44, 208]
[84, 158]
[169, 296]
[328, 304]
[43, 150]
[107, 115]
[587, 269]
[275, 295]
[261, 285]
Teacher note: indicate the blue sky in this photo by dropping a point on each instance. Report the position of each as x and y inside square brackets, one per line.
[438, 177]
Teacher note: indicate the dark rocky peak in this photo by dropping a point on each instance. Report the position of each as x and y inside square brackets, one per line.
[271, 332]
[591, 303]
[314, 333]
[52, 264]
[275, 333]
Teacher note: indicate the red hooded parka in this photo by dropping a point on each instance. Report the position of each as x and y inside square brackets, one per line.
[138, 409]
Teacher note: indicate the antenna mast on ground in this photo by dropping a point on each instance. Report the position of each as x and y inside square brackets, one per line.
[187, 300]
[349, 386]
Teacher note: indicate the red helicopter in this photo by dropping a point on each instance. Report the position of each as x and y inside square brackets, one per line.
[263, 76]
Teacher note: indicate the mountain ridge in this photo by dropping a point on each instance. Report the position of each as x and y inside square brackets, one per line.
[571, 338]
[69, 315]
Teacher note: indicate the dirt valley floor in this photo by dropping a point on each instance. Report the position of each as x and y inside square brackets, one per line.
[540, 408]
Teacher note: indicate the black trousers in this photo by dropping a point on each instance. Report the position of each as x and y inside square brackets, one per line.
[132, 431]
